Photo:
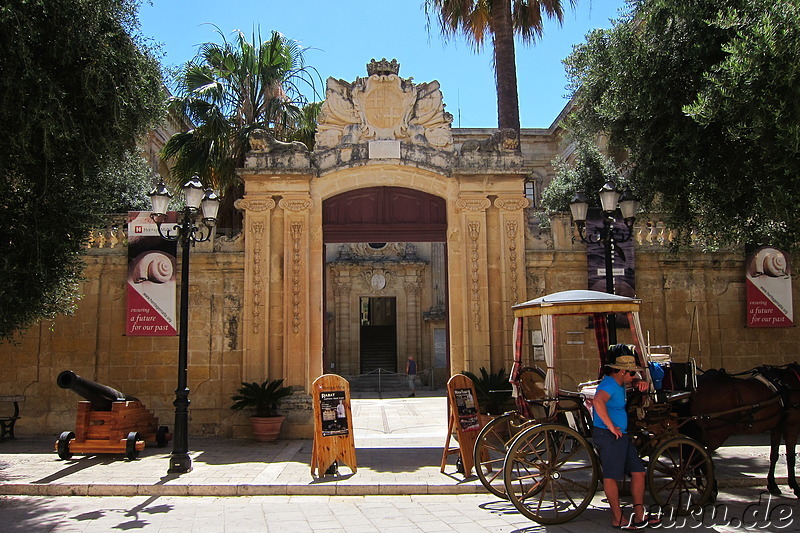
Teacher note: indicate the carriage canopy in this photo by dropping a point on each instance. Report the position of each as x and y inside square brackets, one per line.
[576, 302]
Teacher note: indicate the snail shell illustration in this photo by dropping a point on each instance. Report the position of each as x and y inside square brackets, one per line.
[770, 262]
[152, 266]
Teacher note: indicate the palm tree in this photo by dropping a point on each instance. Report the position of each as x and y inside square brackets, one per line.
[501, 19]
[229, 90]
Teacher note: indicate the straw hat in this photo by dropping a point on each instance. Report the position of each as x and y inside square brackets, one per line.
[626, 362]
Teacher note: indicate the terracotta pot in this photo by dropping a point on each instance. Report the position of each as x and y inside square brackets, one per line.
[266, 429]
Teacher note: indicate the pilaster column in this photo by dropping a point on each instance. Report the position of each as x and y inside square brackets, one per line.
[474, 293]
[297, 357]
[255, 322]
[512, 259]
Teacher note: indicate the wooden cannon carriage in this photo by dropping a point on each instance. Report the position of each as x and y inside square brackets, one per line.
[108, 422]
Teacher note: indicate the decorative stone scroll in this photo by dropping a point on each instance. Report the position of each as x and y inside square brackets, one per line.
[258, 206]
[383, 106]
[511, 203]
[296, 205]
[473, 204]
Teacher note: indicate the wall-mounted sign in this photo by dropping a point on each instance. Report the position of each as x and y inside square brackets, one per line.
[769, 289]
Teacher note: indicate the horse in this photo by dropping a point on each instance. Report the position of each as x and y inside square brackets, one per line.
[766, 401]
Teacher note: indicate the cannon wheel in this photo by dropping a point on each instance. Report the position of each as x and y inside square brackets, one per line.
[161, 436]
[491, 447]
[130, 446]
[63, 445]
[680, 475]
[550, 473]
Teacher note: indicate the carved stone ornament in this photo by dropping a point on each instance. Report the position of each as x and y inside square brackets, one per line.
[473, 204]
[296, 204]
[511, 203]
[244, 204]
[383, 106]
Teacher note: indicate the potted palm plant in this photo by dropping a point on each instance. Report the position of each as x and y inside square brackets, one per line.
[264, 400]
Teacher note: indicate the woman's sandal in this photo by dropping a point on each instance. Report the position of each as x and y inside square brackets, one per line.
[649, 520]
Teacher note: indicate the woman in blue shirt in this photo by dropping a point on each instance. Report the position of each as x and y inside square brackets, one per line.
[617, 453]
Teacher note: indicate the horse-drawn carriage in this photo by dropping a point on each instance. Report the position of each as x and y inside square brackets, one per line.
[541, 456]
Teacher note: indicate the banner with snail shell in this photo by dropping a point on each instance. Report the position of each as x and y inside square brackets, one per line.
[151, 277]
[769, 289]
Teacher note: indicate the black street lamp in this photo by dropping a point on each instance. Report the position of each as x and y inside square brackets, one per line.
[609, 236]
[187, 232]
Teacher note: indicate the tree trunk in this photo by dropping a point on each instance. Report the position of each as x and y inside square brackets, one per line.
[505, 66]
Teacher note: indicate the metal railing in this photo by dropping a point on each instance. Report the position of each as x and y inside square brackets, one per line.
[384, 375]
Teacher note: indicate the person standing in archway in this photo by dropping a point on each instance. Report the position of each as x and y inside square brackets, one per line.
[411, 372]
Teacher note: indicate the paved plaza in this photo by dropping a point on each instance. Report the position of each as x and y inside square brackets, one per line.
[240, 485]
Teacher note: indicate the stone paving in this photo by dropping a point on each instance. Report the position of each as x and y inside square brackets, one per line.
[399, 444]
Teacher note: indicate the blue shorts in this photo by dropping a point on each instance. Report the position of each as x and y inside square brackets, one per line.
[618, 456]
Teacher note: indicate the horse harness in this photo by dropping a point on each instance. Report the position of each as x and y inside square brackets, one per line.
[770, 377]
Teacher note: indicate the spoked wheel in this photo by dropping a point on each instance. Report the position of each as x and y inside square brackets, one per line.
[491, 447]
[550, 473]
[130, 446]
[680, 475]
[63, 445]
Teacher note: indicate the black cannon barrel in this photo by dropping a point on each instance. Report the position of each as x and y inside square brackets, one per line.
[101, 396]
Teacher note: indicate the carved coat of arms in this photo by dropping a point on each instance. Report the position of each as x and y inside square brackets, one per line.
[383, 106]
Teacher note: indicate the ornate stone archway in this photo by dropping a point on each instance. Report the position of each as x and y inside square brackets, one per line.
[483, 193]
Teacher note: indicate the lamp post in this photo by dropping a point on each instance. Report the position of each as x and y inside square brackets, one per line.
[609, 236]
[185, 230]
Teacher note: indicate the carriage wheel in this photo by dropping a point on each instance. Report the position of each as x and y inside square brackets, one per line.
[161, 436]
[63, 445]
[550, 473]
[680, 475]
[491, 447]
[130, 446]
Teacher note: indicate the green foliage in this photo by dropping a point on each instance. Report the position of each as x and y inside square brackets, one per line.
[229, 90]
[488, 387]
[589, 172]
[78, 88]
[124, 185]
[264, 399]
[704, 96]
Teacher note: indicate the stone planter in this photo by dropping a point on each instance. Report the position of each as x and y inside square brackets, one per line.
[266, 429]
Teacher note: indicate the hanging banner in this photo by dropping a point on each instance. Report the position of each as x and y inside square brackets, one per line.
[769, 289]
[623, 259]
[151, 277]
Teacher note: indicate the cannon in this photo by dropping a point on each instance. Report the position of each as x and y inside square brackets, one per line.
[100, 396]
[108, 421]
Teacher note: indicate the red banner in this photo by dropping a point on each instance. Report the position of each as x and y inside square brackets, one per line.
[769, 289]
[151, 278]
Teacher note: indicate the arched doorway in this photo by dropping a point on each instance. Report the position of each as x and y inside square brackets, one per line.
[385, 280]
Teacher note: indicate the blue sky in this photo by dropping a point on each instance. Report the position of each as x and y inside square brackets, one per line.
[343, 36]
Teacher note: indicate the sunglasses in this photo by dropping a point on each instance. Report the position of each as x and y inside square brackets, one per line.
[632, 373]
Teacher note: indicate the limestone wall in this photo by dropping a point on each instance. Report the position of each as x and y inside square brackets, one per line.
[693, 301]
[92, 342]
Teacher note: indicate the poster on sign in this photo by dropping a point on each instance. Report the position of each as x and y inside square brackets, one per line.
[151, 279]
[333, 413]
[769, 289]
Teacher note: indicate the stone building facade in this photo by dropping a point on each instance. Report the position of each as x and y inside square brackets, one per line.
[398, 235]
